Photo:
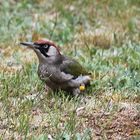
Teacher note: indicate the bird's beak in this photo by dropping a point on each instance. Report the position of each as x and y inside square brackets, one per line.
[29, 44]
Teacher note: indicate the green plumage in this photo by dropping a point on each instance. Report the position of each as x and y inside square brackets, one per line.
[72, 67]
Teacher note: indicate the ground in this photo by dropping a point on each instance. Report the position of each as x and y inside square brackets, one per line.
[104, 37]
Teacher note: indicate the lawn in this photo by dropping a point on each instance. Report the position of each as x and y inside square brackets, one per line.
[104, 36]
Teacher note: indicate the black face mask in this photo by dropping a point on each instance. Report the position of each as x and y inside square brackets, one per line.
[44, 49]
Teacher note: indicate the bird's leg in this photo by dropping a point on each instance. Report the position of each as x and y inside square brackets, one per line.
[48, 89]
[76, 91]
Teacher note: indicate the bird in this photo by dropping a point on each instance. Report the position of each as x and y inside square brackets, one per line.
[57, 71]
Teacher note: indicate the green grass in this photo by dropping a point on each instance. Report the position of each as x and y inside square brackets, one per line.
[104, 37]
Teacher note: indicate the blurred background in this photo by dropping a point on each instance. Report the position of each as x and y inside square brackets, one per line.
[104, 36]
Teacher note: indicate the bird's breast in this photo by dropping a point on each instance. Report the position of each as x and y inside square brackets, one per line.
[45, 72]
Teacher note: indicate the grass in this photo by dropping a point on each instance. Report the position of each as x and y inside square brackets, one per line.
[104, 37]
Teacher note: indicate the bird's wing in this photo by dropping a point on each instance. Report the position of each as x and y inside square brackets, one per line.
[61, 77]
[53, 73]
[70, 66]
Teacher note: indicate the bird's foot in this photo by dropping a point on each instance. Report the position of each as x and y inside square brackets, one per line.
[76, 92]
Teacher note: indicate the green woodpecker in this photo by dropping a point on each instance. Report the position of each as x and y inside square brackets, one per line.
[56, 70]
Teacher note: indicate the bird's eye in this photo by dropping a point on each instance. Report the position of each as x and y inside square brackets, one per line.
[46, 46]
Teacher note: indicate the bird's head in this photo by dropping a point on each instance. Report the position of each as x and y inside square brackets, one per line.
[44, 49]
